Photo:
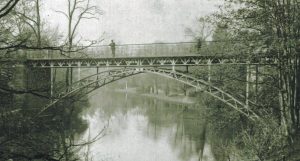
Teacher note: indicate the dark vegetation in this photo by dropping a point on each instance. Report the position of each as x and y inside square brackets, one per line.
[253, 28]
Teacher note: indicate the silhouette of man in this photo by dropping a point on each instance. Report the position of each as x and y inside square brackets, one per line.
[199, 45]
[113, 48]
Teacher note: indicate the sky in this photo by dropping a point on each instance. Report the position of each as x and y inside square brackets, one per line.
[135, 21]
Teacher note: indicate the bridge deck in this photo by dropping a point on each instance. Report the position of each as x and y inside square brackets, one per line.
[156, 54]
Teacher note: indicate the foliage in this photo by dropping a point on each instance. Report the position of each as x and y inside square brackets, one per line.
[250, 29]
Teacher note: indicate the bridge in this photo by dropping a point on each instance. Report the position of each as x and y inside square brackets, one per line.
[161, 59]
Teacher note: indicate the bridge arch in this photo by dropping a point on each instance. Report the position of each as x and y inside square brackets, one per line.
[95, 81]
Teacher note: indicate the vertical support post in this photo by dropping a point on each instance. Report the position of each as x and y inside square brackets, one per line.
[248, 75]
[126, 86]
[173, 62]
[79, 71]
[71, 76]
[209, 70]
[51, 81]
[97, 73]
[256, 83]
[187, 68]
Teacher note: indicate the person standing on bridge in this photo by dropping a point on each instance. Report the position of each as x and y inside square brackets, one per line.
[113, 48]
[199, 45]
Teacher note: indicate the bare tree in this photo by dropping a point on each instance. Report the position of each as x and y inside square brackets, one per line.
[32, 19]
[203, 31]
[7, 6]
[78, 10]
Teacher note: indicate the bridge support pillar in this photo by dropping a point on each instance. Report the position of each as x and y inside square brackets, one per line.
[78, 71]
[187, 68]
[173, 68]
[97, 73]
[248, 77]
[256, 83]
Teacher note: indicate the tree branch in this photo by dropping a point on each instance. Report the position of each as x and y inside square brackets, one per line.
[8, 7]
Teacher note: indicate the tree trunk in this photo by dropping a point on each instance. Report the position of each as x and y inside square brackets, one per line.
[38, 23]
[297, 94]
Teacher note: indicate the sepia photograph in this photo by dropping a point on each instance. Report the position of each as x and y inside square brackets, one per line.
[149, 80]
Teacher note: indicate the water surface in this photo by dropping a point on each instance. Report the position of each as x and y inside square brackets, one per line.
[145, 129]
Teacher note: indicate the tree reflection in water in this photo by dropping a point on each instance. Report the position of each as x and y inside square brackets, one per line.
[49, 136]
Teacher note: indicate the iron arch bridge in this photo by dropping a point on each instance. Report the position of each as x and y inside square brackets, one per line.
[95, 81]
[132, 59]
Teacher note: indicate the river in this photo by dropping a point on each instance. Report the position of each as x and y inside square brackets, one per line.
[141, 128]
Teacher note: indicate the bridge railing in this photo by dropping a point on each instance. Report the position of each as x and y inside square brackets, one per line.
[126, 50]
[141, 50]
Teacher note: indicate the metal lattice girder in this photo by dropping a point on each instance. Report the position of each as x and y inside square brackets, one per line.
[91, 82]
[192, 60]
[96, 81]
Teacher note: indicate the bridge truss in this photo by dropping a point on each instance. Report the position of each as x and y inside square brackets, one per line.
[191, 60]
